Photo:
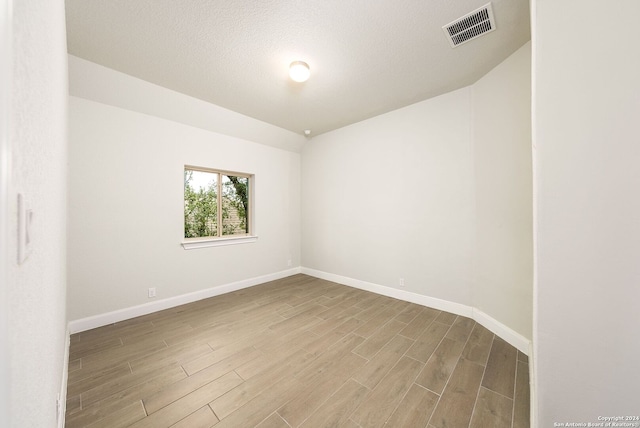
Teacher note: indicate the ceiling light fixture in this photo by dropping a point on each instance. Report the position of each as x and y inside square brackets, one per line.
[299, 71]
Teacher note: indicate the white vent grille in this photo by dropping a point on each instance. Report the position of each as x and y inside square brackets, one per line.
[470, 26]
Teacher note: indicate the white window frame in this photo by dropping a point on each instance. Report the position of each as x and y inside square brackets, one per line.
[217, 241]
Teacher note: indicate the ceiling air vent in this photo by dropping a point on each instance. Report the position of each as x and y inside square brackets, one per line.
[470, 26]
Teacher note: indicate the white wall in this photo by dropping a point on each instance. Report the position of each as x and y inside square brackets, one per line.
[38, 145]
[586, 111]
[503, 256]
[392, 197]
[95, 82]
[6, 19]
[126, 215]
[437, 193]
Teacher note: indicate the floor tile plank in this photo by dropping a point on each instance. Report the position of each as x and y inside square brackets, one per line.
[264, 404]
[96, 378]
[428, 341]
[492, 410]
[239, 396]
[384, 398]
[521, 408]
[297, 350]
[187, 385]
[501, 368]
[409, 313]
[74, 405]
[415, 409]
[84, 349]
[124, 398]
[456, 403]
[201, 418]
[478, 346]
[338, 407]
[183, 407]
[329, 359]
[321, 343]
[309, 398]
[439, 367]
[446, 318]
[122, 383]
[373, 324]
[376, 341]
[216, 356]
[419, 324]
[331, 323]
[522, 357]
[121, 418]
[461, 329]
[373, 372]
[75, 365]
[167, 356]
[273, 421]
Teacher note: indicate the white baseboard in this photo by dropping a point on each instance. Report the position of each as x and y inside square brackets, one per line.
[420, 299]
[88, 323]
[510, 336]
[62, 398]
[532, 388]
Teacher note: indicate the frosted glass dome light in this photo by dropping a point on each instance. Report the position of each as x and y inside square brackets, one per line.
[299, 71]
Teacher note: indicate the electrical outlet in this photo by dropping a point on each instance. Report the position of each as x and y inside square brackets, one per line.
[401, 282]
[289, 262]
[152, 292]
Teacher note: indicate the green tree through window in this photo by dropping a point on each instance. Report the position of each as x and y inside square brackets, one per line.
[216, 203]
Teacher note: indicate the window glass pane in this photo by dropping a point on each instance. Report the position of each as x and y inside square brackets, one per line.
[235, 205]
[200, 204]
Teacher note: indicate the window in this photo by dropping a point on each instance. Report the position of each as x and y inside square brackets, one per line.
[217, 207]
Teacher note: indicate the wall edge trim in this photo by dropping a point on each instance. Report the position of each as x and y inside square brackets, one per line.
[510, 336]
[533, 404]
[61, 406]
[88, 323]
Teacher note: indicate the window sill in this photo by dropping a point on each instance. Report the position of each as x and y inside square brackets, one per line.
[218, 242]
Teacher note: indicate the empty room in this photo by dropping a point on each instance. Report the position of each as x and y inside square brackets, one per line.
[318, 213]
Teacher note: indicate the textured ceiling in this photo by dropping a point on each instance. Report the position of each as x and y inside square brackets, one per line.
[367, 57]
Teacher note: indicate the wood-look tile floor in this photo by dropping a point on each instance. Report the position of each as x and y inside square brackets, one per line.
[297, 352]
